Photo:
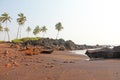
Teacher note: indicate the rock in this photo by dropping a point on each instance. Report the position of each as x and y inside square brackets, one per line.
[8, 65]
[70, 45]
[116, 48]
[104, 53]
[16, 64]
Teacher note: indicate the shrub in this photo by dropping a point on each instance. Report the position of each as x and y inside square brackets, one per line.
[25, 39]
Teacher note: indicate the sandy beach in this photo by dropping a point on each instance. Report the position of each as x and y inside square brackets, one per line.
[60, 65]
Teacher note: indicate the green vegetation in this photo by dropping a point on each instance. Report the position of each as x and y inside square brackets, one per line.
[58, 27]
[21, 21]
[28, 30]
[44, 29]
[37, 30]
[25, 39]
[5, 18]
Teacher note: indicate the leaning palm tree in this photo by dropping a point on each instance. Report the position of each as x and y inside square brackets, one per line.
[36, 30]
[6, 29]
[5, 18]
[28, 30]
[58, 27]
[21, 21]
[44, 29]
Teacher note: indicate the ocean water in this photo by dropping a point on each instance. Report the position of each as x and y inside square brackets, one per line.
[81, 52]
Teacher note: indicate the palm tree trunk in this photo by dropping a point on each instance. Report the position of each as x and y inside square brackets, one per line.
[28, 34]
[57, 34]
[5, 31]
[5, 36]
[8, 36]
[18, 32]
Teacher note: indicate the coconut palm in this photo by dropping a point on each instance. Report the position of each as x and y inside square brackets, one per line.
[44, 29]
[36, 30]
[6, 29]
[58, 27]
[28, 30]
[5, 18]
[21, 21]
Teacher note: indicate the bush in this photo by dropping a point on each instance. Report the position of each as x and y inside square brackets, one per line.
[17, 41]
[25, 39]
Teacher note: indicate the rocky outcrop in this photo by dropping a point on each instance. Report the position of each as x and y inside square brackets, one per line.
[56, 44]
[104, 53]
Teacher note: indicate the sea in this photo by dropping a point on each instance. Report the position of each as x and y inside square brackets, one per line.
[80, 52]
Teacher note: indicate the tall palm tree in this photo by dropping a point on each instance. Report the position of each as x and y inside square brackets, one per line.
[5, 18]
[6, 29]
[36, 30]
[58, 27]
[28, 30]
[44, 29]
[21, 21]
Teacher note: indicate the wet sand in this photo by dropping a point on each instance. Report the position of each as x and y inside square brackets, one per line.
[60, 65]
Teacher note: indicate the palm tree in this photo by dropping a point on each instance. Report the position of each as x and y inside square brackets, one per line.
[28, 30]
[58, 27]
[44, 29]
[21, 21]
[36, 30]
[5, 18]
[6, 29]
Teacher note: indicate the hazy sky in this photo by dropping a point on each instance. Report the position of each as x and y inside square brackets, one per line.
[84, 21]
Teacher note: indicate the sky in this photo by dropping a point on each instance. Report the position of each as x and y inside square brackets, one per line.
[85, 21]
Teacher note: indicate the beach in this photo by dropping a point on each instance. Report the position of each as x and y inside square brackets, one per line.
[60, 65]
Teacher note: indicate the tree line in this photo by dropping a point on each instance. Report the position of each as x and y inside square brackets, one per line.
[5, 18]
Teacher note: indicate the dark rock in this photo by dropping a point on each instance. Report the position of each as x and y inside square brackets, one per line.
[56, 44]
[116, 48]
[104, 53]
[70, 45]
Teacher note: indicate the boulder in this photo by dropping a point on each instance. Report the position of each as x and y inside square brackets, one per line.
[100, 53]
[70, 45]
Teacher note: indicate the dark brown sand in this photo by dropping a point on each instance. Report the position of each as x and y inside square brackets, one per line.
[60, 65]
